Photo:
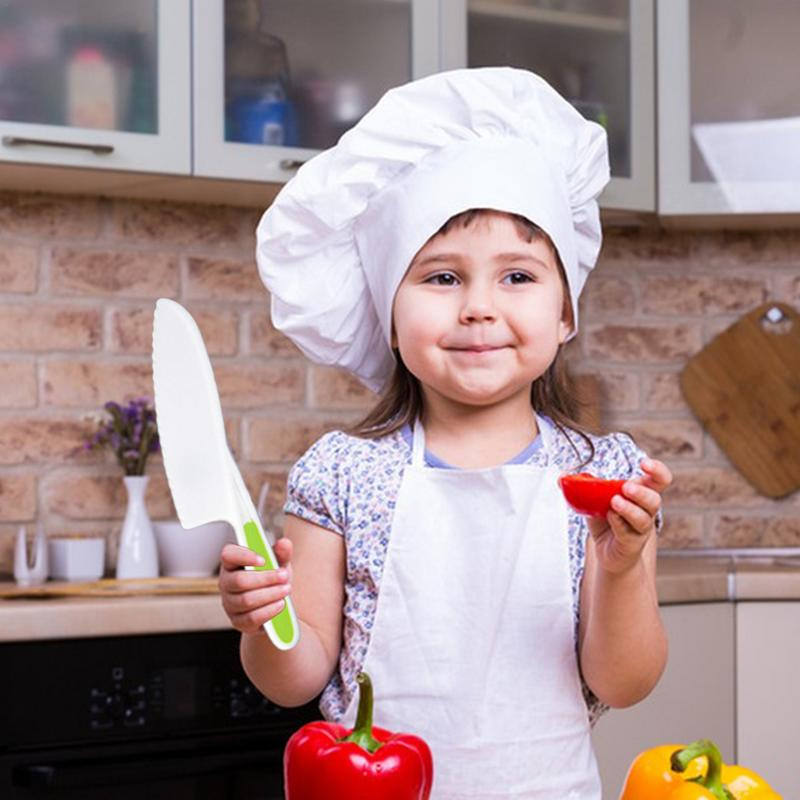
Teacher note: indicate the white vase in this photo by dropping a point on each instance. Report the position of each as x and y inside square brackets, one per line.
[137, 556]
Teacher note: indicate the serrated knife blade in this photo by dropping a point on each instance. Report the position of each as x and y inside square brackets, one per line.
[203, 478]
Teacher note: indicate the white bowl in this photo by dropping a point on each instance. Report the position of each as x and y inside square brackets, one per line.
[192, 553]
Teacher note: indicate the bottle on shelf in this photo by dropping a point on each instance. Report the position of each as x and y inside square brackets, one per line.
[91, 89]
[258, 106]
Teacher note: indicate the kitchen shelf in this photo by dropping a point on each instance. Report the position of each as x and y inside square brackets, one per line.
[136, 185]
[550, 16]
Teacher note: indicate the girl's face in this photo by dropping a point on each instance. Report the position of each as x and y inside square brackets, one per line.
[481, 312]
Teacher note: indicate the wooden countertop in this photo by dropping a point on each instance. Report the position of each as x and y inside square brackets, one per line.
[76, 617]
[690, 579]
[680, 580]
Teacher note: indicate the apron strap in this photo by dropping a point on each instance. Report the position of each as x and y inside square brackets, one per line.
[418, 445]
[546, 431]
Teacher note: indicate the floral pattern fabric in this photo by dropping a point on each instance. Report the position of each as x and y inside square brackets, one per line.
[349, 485]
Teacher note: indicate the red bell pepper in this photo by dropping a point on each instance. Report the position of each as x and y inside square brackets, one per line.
[589, 495]
[326, 761]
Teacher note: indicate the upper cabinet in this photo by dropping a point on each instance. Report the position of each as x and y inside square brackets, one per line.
[276, 81]
[728, 106]
[91, 83]
[598, 54]
[223, 100]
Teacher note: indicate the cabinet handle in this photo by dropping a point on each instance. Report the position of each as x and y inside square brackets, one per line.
[19, 141]
[291, 163]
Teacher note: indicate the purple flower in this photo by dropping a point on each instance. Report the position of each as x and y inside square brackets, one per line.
[130, 432]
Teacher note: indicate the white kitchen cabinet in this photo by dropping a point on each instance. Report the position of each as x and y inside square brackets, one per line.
[275, 81]
[768, 692]
[693, 700]
[728, 107]
[221, 100]
[94, 84]
[599, 54]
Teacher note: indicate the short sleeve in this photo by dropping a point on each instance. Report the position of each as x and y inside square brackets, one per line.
[317, 486]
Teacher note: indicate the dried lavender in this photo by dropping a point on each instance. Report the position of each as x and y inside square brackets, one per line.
[130, 431]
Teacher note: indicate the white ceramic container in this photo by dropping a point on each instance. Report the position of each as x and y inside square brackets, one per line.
[192, 553]
[77, 558]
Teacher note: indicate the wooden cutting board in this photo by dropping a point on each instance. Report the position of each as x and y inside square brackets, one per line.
[744, 386]
[110, 587]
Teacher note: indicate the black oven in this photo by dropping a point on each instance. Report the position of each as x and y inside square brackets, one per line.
[168, 716]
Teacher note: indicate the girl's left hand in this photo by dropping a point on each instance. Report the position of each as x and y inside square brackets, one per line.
[620, 538]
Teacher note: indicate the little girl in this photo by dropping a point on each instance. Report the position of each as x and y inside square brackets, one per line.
[438, 252]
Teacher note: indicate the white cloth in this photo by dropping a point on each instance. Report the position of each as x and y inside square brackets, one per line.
[473, 642]
[336, 242]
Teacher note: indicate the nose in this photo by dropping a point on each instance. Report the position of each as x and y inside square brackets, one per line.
[478, 305]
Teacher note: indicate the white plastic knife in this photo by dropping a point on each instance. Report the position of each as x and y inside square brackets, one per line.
[203, 477]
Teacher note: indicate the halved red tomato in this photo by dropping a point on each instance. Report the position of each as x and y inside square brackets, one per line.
[589, 495]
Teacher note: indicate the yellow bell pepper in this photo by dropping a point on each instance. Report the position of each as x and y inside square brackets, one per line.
[693, 772]
[650, 775]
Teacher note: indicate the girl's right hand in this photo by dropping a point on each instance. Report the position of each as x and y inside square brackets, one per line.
[251, 597]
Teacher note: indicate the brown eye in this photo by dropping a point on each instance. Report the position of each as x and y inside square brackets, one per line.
[515, 278]
[442, 279]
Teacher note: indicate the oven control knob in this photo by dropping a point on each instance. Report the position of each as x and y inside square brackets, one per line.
[135, 706]
[243, 700]
[247, 701]
[133, 718]
[99, 710]
[98, 701]
[115, 705]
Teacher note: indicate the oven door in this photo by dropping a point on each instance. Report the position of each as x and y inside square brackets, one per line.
[211, 768]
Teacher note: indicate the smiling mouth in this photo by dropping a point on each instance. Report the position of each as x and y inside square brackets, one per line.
[483, 348]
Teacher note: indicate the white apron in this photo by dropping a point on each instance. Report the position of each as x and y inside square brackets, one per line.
[472, 646]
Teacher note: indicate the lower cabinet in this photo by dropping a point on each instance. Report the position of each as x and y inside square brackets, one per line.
[768, 692]
[693, 700]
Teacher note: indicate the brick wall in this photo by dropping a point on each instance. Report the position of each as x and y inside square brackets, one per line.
[79, 277]
[655, 299]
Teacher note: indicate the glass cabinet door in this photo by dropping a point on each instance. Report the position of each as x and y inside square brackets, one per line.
[278, 80]
[598, 54]
[94, 83]
[729, 106]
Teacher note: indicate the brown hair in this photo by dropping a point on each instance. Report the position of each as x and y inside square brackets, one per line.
[552, 393]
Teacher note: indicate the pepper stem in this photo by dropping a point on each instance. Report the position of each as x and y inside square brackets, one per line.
[712, 780]
[362, 732]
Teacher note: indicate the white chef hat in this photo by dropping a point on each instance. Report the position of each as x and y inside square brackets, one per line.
[334, 245]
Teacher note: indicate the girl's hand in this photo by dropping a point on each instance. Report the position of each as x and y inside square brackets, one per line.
[251, 597]
[620, 538]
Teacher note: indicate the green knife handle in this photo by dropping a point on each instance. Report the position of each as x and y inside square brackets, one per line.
[283, 623]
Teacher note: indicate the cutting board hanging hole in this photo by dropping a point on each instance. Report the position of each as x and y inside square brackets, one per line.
[775, 321]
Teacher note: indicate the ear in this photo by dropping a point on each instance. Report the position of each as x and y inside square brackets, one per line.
[566, 325]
